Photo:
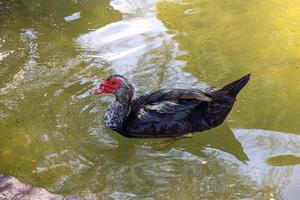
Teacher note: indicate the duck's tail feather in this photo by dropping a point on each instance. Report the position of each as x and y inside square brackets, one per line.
[235, 87]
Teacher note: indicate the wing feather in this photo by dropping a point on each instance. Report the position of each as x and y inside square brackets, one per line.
[171, 95]
[166, 110]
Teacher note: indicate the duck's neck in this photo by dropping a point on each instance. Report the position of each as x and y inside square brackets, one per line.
[117, 112]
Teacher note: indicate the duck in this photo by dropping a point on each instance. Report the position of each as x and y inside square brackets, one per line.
[166, 113]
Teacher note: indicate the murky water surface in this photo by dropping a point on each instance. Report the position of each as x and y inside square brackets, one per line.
[51, 132]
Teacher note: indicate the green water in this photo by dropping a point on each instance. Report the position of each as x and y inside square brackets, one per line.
[52, 53]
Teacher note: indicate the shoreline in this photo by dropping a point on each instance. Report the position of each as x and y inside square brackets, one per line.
[13, 189]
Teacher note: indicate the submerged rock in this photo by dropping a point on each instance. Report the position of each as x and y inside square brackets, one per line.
[13, 189]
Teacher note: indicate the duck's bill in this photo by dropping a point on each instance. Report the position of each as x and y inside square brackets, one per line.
[95, 92]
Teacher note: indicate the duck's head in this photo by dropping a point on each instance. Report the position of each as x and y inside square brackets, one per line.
[115, 84]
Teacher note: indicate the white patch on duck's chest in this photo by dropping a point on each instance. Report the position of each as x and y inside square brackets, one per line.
[114, 116]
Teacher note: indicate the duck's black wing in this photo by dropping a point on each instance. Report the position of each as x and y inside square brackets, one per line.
[170, 95]
[163, 113]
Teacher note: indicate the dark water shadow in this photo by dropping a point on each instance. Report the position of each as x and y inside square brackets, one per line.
[221, 138]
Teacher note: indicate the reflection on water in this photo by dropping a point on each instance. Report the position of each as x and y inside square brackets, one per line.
[283, 160]
[139, 47]
[267, 150]
[51, 130]
[72, 17]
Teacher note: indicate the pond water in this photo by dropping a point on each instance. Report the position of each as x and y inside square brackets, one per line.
[52, 53]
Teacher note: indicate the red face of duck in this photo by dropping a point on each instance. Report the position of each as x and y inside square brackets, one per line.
[107, 86]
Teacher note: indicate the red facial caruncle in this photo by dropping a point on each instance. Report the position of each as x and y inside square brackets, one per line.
[107, 86]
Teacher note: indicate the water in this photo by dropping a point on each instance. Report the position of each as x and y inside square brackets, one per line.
[51, 131]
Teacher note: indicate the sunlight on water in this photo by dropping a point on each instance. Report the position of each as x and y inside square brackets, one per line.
[137, 45]
[52, 133]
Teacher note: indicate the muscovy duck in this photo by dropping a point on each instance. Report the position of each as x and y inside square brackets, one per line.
[166, 112]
